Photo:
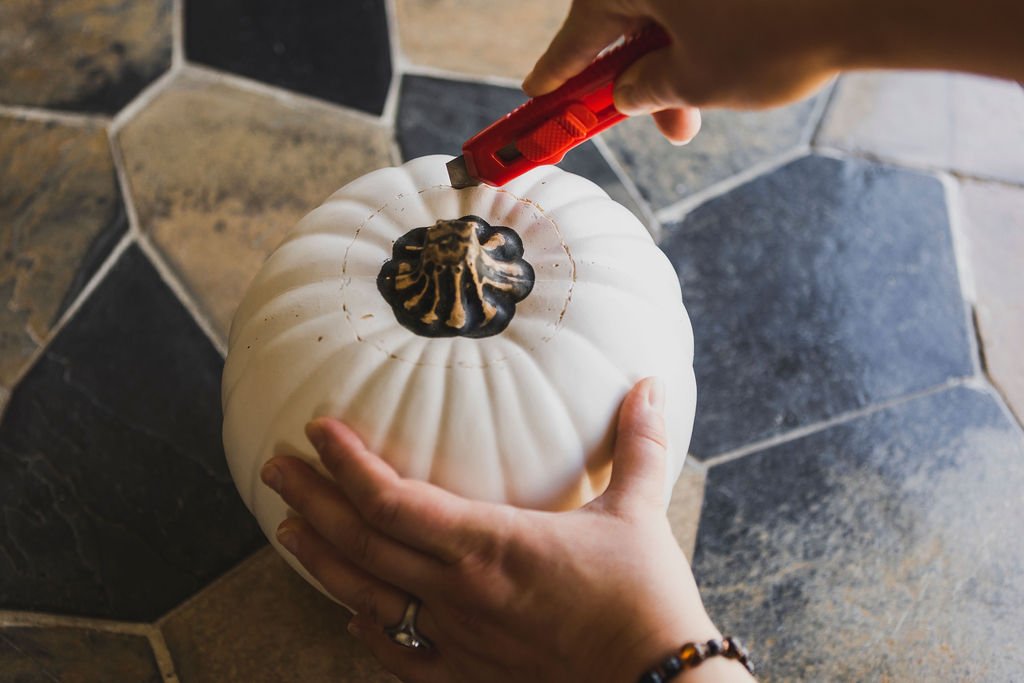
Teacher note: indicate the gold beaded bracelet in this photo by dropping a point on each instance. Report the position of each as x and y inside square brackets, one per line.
[691, 655]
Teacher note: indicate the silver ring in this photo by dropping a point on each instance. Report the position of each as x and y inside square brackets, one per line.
[405, 632]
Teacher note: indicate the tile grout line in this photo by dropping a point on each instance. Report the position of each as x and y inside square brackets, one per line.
[12, 618]
[52, 116]
[143, 99]
[288, 98]
[45, 343]
[123, 186]
[957, 217]
[162, 654]
[153, 635]
[390, 113]
[413, 69]
[903, 164]
[819, 114]
[177, 34]
[677, 211]
[842, 418]
[172, 281]
[606, 152]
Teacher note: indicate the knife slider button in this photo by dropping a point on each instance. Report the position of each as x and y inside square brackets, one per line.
[558, 134]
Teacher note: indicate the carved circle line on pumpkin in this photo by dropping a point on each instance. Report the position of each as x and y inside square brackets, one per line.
[538, 317]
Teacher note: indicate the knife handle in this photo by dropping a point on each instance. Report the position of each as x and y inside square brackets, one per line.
[543, 129]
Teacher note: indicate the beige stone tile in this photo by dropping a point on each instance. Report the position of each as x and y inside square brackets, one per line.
[962, 123]
[684, 510]
[262, 623]
[87, 55]
[60, 213]
[478, 37]
[995, 234]
[218, 175]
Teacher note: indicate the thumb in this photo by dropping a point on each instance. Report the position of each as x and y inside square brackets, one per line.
[587, 30]
[648, 86]
[638, 465]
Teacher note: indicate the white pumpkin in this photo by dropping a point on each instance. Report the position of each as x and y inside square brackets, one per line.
[525, 415]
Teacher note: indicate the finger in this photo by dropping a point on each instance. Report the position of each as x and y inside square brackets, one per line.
[415, 513]
[322, 504]
[411, 666]
[678, 125]
[587, 30]
[364, 594]
[640, 453]
[649, 85]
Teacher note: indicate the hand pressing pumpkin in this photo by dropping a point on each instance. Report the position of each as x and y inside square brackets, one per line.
[598, 594]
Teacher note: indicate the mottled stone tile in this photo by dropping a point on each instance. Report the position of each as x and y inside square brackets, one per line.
[994, 226]
[883, 549]
[60, 216]
[684, 510]
[968, 124]
[115, 498]
[436, 116]
[729, 142]
[337, 51]
[84, 55]
[74, 655]
[265, 624]
[478, 36]
[820, 288]
[219, 175]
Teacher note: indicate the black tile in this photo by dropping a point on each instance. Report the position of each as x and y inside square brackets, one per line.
[887, 548]
[337, 51]
[116, 498]
[74, 655]
[820, 288]
[436, 116]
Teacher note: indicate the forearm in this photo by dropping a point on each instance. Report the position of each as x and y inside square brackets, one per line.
[981, 36]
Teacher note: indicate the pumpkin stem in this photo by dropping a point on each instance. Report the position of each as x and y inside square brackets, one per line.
[460, 277]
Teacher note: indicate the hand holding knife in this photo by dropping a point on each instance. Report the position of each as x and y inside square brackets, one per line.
[542, 130]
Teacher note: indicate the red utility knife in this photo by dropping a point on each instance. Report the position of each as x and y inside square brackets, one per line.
[542, 130]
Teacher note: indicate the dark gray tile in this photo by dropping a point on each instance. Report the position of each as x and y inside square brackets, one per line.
[823, 287]
[84, 55]
[883, 549]
[435, 116]
[729, 142]
[116, 498]
[74, 655]
[337, 51]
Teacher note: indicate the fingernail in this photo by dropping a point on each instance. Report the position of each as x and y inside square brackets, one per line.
[315, 434]
[680, 143]
[527, 82]
[271, 476]
[656, 393]
[288, 539]
[354, 628]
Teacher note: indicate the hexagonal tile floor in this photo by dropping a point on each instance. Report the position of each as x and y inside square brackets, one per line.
[851, 265]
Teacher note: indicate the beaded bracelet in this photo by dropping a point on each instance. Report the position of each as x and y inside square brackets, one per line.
[692, 655]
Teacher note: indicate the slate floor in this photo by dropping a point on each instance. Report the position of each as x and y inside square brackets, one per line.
[851, 265]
